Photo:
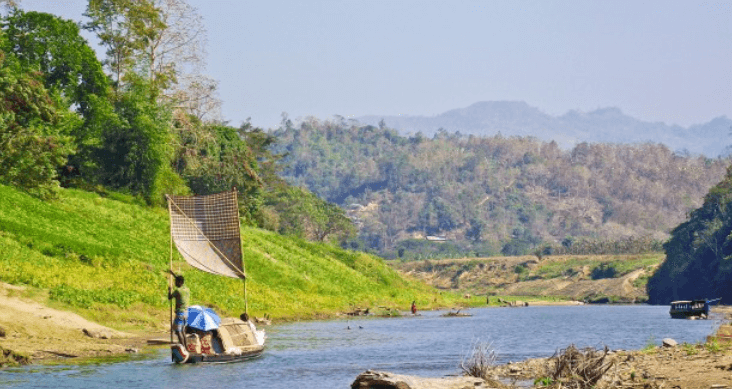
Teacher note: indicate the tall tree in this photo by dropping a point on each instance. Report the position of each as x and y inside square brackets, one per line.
[66, 64]
[126, 28]
[176, 50]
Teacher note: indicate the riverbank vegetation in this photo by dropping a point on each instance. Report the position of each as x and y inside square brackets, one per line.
[105, 255]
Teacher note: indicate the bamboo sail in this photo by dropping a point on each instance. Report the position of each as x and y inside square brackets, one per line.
[205, 230]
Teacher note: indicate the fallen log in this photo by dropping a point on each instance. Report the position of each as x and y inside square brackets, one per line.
[383, 380]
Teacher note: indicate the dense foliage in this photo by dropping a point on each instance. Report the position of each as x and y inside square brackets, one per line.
[139, 127]
[494, 195]
[699, 254]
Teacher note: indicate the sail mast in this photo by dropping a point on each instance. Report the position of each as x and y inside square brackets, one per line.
[170, 275]
[238, 218]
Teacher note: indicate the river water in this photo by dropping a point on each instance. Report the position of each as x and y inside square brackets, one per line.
[327, 354]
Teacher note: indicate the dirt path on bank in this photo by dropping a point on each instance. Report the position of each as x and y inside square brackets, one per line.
[33, 329]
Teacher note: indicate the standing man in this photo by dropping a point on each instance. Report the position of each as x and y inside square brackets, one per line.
[414, 308]
[182, 297]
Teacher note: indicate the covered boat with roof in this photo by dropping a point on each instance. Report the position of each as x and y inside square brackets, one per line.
[206, 232]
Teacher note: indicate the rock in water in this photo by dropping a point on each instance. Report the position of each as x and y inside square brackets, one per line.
[385, 380]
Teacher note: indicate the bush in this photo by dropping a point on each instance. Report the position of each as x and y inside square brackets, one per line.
[479, 360]
[604, 270]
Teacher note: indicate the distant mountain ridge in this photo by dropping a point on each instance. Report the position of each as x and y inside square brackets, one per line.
[605, 125]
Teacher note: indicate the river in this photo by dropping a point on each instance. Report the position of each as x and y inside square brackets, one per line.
[327, 354]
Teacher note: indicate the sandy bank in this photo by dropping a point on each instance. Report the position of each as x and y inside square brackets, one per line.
[33, 329]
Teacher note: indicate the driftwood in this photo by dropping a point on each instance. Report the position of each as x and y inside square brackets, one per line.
[384, 380]
[357, 311]
[456, 314]
[580, 369]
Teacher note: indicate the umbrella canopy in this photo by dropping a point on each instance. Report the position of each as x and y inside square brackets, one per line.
[204, 319]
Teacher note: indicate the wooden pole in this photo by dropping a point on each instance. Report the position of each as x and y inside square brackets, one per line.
[170, 275]
[246, 303]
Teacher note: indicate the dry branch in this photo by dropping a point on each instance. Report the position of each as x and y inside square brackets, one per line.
[479, 361]
[580, 369]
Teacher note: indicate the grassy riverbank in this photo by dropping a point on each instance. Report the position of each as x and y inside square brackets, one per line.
[104, 257]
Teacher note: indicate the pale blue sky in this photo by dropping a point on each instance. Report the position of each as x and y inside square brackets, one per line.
[668, 61]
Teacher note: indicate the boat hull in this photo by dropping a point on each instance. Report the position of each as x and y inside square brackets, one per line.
[686, 315]
[180, 355]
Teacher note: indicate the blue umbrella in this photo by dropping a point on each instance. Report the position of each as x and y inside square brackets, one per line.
[204, 319]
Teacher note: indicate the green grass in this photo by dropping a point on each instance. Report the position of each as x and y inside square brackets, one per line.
[105, 256]
[650, 347]
[690, 349]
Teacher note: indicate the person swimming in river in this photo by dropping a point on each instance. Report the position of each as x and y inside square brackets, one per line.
[182, 297]
[414, 308]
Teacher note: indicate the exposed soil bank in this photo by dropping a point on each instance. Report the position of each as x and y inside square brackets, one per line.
[28, 328]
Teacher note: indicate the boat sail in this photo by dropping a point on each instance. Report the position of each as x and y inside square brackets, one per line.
[206, 233]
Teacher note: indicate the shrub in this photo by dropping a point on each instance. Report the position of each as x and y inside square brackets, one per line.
[604, 270]
[479, 360]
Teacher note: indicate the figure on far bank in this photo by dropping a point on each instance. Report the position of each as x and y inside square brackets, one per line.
[182, 297]
[414, 307]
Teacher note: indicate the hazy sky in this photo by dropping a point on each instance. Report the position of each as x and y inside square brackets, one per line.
[668, 61]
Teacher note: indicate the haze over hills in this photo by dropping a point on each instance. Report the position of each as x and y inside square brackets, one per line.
[605, 125]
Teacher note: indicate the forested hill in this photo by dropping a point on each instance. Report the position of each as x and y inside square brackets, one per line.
[698, 254]
[492, 195]
[512, 118]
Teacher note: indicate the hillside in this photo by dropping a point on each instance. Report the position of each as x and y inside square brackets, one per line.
[104, 256]
[604, 125]
[496, 195]
[593, 278]
[698, 253]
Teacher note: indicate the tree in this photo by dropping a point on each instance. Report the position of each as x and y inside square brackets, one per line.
[34, 141]
[135, 151]
[68, 67]
[176, 51]
[53, 46]
[305, 215]
[126, 28]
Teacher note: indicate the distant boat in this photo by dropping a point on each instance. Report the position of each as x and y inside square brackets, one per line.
[684, 309]
[206, 232]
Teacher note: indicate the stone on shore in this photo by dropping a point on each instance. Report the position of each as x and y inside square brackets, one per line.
[385, 380]
[97, 334]
[668, 342]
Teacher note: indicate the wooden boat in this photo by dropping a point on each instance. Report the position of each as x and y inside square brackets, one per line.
[206, 232]
[684, 309]
[234, 341]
